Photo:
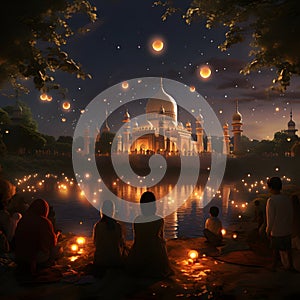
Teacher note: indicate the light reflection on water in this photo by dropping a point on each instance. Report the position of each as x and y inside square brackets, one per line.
[75, 214]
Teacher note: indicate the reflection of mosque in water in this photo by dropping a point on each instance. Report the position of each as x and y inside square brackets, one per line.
[190, 217]
[161, 132]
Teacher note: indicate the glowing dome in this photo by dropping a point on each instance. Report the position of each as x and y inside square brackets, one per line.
[162, 99]
[237, 117]
[291, 123]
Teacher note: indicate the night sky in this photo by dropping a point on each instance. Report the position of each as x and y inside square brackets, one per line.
[117, 48]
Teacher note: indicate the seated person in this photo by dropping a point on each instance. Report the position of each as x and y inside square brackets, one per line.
[35, 240]
[108, 239]
[213, 227]
[7, 190]
[148, 255]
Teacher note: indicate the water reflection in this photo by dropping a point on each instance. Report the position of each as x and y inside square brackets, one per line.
[75, 214]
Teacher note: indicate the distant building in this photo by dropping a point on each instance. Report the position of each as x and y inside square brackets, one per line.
[291, 131]
[237, 129]
[161, 132]
[16, 115]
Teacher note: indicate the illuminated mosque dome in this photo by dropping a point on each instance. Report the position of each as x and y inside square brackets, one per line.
[162, 99]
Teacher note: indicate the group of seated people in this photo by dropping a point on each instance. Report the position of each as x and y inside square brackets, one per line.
[147, 256]
[34, 242]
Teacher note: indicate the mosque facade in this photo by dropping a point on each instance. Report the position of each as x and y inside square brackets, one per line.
[161, 132]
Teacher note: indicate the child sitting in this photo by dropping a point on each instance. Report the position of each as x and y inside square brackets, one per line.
[213, 227]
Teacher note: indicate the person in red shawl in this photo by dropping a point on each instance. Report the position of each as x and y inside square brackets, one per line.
[36, 241]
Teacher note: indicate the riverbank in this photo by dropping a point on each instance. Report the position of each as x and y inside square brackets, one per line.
[235, 271]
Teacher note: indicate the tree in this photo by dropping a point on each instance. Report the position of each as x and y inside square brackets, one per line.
[264, 147]
[283, 142]
[4, 117]
[105, 142]
[26, 118]
[65, 139]
[32, 36]
[273, 27]
[18, 137]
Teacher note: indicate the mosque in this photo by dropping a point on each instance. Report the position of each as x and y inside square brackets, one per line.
[161, 132]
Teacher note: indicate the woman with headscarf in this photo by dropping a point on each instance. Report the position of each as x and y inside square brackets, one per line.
[35, 239]
[108, 239]
[148, 256]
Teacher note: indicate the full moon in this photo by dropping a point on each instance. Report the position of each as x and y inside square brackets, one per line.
[66, 105]
[158, 45]
[205, 72]
[125, 85]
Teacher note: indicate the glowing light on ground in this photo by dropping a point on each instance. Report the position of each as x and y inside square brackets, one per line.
[205, 72]
[80, 240]
[74, 247]
[193, 254]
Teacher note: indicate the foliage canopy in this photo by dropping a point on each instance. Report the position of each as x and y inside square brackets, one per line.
[273, 27]
[32, 36]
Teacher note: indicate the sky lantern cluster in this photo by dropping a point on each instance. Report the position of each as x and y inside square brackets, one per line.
[45, 97]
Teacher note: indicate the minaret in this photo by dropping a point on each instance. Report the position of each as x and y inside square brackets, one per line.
[226, 140]
[199, 133]
[208, 146]
[188, 127]
[86, 138]
[119, 144]
[236, 129]
[291, 131]
[126, 132]
[161, 129]
[106, 127]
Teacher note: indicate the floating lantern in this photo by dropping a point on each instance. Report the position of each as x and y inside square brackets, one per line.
[125, 85]
[66, 105]
[43, 97]
[205, 72]
[234, 235]
[49, 98]
[157, 45]
[192, 89]
[193, 254]
[80, 240]
[223, 231]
